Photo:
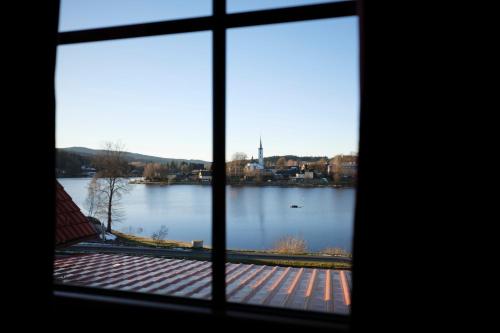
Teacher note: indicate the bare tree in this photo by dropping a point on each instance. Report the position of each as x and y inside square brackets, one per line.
[159, 236]
[112, 171]
[149, 171]
[235, 167]
[95, 202]
[155, 171]
[238, 156]
[281, 163]
[319, 165]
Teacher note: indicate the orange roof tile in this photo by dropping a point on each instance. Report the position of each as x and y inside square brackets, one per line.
[71, 225]
[322, 290]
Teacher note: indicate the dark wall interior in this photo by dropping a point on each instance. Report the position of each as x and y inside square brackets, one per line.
[388, 287]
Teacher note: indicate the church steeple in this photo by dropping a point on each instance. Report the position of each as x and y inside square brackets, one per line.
[261, 153]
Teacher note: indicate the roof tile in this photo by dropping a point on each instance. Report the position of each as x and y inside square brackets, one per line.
[322, 290]
[71, 225]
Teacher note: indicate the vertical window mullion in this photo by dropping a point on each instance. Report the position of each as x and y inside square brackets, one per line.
[219, 157]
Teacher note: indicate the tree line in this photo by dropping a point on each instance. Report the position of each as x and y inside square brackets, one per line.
[70, 164]
[274, 159]
[160, 171]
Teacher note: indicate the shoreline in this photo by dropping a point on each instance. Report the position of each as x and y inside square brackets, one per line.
[123, 238]
[249, 184]
[266, 184]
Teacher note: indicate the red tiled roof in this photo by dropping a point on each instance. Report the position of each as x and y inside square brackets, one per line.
[71, 225]
[322, 290]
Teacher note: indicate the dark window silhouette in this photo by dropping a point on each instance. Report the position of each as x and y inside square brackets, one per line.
[218, 24]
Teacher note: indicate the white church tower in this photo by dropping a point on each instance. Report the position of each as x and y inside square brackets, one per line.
[261, 154]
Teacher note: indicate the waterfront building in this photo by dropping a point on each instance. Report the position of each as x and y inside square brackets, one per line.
[343, 166]
[205, 176]
[308, 175]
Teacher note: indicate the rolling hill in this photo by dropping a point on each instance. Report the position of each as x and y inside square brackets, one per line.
[129, 156]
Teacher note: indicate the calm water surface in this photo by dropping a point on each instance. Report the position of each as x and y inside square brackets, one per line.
[256, 216]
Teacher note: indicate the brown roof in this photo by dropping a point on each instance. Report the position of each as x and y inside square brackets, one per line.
[322, 290]
[71, 225]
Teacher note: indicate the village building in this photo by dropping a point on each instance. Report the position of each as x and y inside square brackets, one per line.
[343, 166]
[205, 176]
[88, 171]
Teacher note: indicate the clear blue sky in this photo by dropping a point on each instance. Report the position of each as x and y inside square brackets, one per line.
[295, 84]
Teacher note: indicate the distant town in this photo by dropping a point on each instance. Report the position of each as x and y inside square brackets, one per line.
[288, 170]
[340, 170]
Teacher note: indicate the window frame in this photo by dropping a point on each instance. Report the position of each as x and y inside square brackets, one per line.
[219, 22]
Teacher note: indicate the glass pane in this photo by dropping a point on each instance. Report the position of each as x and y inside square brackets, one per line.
[292, 138]
[87, 14]
[234, 6]
[151, 99]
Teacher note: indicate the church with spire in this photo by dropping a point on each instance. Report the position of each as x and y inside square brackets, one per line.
[256, 166]
[261, 153]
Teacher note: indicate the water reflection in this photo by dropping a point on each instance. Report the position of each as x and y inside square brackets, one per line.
[261, 219]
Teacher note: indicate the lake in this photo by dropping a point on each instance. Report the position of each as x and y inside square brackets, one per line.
[256, 216]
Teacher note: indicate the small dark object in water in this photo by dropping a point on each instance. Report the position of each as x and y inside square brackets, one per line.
[294, 206]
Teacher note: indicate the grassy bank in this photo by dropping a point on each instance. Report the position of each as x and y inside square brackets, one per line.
[169, 244]
[126, 239]
[146, 241]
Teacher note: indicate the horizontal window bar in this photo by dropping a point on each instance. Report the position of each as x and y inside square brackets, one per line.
[288, 313]
[291, 14]
[130, 295]
[260, 17]
[136, 30]
[307, 321]
[193, 308]
[243, 311]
